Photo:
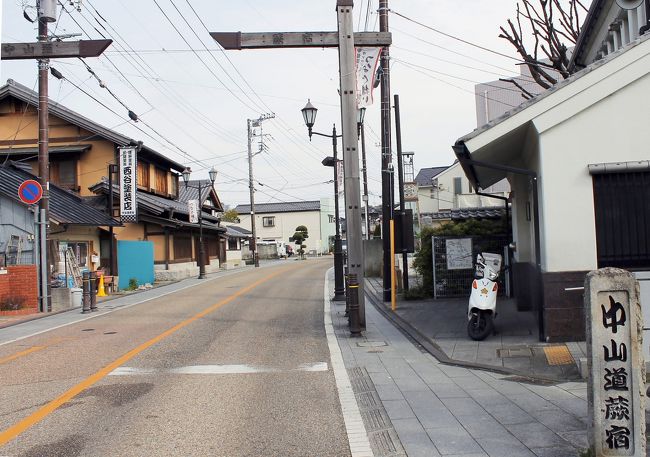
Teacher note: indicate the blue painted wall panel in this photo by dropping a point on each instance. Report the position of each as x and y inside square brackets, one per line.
[135, 260]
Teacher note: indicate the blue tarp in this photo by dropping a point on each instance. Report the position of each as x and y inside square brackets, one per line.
[135, 260]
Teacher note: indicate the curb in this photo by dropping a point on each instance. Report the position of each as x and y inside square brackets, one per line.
[432, 348]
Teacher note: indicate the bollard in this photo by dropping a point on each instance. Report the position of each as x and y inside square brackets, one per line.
[353, 294]
[85, 285]
[93, 291]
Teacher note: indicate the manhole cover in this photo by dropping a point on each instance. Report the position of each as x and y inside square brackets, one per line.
[372, 344]
[505, 353]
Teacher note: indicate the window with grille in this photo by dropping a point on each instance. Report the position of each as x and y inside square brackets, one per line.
[143, 175]
[622, 210]
[268, 221]
[161, 181]
[64, 173]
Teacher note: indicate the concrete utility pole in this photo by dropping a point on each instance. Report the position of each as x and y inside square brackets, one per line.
[250, 124]
[350, 147]
[386, 156]
[43, 50]
[345, 39]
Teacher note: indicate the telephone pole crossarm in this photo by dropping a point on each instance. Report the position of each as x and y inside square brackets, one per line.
[54, 50]
[264, 40]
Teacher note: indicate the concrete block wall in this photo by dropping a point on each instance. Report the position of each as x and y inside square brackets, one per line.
[20, 281]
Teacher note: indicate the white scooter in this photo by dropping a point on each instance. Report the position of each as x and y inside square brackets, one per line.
[483, 299]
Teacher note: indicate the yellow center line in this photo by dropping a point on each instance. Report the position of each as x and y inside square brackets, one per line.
[21, 353]
[40, 414]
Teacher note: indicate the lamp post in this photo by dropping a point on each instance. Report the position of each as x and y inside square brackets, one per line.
[309, 115]
[186, 178]
[361, 114]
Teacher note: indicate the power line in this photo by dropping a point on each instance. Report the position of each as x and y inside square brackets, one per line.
[152, 77]
[448, 35]
[456, 52]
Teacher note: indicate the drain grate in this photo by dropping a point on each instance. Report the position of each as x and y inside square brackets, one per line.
[385, 444]
[372, 344]
[382, 436]
[558, 355]
[506, 353]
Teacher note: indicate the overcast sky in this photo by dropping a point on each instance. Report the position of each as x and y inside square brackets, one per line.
[200, 101]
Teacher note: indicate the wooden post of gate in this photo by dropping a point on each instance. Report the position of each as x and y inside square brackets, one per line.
[616, 388]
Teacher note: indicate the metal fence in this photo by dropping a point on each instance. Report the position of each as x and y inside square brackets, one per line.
[453, 263]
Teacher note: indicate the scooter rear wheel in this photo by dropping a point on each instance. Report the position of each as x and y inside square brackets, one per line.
[480, 326]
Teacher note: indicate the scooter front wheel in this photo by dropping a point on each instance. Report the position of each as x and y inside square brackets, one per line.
[480, 326]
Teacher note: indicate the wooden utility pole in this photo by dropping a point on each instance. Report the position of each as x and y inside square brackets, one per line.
[386, 155]
[345, 39]
[43, 50]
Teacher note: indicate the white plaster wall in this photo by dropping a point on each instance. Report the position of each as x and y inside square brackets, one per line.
[612, 130]
[285, 227]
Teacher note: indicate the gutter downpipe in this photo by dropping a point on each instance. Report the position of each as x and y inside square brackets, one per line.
[468, 164]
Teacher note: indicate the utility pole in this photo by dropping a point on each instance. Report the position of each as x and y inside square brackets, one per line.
[400, 186]
[386, 159]
[43, 50]
[343, 38]
[251, 123]
[350, 147]
[364, 170]
[43, 151]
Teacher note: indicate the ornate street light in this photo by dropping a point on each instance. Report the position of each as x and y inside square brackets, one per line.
[186, 178]
[309, 115]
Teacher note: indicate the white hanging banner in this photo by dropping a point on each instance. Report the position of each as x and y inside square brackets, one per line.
[193, 210]
[367, 60]
[128, 184]
[340, 176]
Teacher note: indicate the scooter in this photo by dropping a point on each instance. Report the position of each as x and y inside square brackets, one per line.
[483, 298]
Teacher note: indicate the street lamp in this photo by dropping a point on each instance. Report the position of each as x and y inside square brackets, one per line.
[309, 115]
[186, 178]
[361, 131]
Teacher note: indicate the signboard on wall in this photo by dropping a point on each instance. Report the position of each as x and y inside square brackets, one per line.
[193, 210]
[128, 184]
[459, 253]
[410, 192]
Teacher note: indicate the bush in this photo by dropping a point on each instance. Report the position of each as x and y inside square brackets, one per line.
[133, 284]
[423, 261]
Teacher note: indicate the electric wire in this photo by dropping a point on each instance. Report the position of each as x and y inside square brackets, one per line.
[152, 77]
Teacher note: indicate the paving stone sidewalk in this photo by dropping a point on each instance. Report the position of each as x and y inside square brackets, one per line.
[434, 409]
[441, 326]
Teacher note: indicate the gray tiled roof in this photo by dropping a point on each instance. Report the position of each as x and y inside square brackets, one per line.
[468, 213]
[152, 203]
[425, 175]
[191, 191]
[282, 207]
[65, 207]
[237, 232]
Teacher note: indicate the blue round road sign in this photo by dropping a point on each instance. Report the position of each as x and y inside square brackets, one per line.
[30, 192]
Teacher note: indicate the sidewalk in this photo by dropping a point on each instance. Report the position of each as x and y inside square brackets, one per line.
[414, 405]
[440, 326]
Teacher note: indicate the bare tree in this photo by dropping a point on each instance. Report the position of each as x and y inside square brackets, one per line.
[553, 24]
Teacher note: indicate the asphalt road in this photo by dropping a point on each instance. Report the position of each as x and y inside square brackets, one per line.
[238, 366]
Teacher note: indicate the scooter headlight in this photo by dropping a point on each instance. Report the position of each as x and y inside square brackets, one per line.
[492, 276]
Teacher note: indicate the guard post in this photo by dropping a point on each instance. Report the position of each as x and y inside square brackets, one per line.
[85, 287]
[616, 387]
[93, 290]
[353, 299]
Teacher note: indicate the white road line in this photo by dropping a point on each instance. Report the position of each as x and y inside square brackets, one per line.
[356, 430]
[217, 369]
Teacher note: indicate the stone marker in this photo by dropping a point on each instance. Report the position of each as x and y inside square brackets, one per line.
[616, 390]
